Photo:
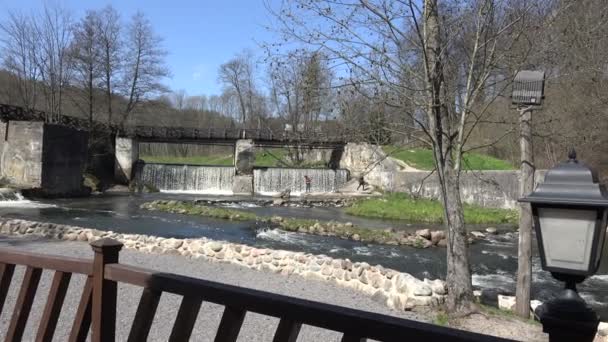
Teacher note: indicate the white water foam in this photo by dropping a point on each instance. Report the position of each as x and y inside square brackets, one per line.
[199, 192]
[280, 236]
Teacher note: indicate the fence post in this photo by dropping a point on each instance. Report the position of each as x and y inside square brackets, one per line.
[104, 291]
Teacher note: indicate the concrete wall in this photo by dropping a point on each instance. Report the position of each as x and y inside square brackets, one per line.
[21, 159]
[495, 189]
[43, 157]
[64, 156]
[127, 153]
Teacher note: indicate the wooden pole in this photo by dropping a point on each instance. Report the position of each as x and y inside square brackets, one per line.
[526, 186]
[104, 291]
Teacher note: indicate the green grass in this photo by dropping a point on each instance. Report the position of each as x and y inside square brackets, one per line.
[275, 157]
[400, 206]
[423, 159]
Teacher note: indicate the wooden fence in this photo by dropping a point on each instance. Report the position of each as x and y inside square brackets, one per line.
[97, 307]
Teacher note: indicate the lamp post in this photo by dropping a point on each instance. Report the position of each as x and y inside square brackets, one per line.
[570, 210]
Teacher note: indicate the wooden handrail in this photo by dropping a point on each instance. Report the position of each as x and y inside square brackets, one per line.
[360, 323]
[49, 262]
[97, 307]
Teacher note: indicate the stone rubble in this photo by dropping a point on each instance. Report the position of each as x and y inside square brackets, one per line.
[400, 291]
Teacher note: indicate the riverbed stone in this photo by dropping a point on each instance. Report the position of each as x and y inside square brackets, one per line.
[491, 230]
[478, 235]
[424, 233]
[437, 236]
[172, 243]
[442, 243]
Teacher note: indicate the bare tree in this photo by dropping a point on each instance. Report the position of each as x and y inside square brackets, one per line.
[111, 51]
[54, 29]
[144, 64]
[234, 74]
[19, 43]
[87, 59]
[436, 61]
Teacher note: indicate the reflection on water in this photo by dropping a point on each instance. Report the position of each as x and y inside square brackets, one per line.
[493, 262]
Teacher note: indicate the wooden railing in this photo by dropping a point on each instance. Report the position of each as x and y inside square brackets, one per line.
[97, 308]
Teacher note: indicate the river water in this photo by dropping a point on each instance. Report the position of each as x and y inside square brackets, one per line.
[493, 262]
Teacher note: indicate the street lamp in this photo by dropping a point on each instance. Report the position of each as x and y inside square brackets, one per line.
[570, 210]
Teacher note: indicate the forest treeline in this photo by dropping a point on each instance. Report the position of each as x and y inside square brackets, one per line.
[109, 68]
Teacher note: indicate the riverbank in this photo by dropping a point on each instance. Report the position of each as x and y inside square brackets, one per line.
[400, 206]
[256, 327]
[422, 238]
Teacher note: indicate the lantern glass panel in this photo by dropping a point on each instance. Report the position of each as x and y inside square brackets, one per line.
[602, 237]
[567, 237]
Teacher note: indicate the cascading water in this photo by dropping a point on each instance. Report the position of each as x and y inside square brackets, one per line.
[189, 178]
[10, 195]
[275, 180]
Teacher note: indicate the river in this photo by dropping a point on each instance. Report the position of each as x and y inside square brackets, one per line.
[493, 261]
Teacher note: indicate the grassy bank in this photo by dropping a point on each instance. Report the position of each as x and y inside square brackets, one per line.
[275, 157]
[403, 207]
[423, 159]
[316, 227]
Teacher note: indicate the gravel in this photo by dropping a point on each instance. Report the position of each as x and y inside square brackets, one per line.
[255, 328]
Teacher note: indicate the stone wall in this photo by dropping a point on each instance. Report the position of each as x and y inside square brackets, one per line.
[494, 189]
[21, 158]
[126, 153]
[368, 160]
[398, 290]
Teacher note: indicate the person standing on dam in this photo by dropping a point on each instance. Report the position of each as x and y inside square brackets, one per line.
[308, 182]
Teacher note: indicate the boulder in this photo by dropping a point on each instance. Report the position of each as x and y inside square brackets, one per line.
[442, 243]
[478, 235]
[278, 202]
[506, 302]
[437, 236]
[172, 243]
[491, 230]
[424, 233]
[602, 329]
[213, 246]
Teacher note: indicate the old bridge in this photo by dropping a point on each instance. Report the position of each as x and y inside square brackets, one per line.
[34, 141]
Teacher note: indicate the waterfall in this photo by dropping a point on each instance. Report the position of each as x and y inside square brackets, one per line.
[10, 195]
[274, 180]
[189, 178]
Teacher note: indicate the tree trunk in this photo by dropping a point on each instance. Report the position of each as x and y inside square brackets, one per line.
[526, 185]
[460, 288]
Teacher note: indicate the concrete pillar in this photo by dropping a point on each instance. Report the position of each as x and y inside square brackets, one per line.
[244, 159]
[126, 153]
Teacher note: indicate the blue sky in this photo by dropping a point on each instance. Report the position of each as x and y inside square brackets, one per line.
[199, 35]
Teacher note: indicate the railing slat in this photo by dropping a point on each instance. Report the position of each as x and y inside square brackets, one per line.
[186, 318]
[230, 325]
[6, 275]
[144, 315]
[352, 338]
[287, 331]
[24, 303]
[52, 309]
[82, 320]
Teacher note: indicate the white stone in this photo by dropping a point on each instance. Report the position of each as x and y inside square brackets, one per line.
[602, 329]
[491, 230]
[478, 235]
[506, 302]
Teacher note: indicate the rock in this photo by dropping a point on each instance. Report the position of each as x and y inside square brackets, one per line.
[356, 237]
[380, 297]
[602, 329]
[491, 230]
[424, 233]
[506, 302]
[438, 286]
[172, 243]
[478, 235]
[423, 290]
[348, 224]
[278, 202]
[213, 246]
[437, 236]
[535, 304]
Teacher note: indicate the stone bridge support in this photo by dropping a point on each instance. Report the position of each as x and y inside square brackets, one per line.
[127, 153]
[244, 160]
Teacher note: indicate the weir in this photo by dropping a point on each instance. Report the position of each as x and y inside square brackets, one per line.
[270, 181]
[194, 178]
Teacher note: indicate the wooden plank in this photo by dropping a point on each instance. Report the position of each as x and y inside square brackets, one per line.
[230, 325]
[103, 311]
[186, 318]
[52, 309]
[287, 331]
[82, 320]
[352, 338]
[144, 315]
[47, 262]
[372, 325]
[23, 304]
[6, 275]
